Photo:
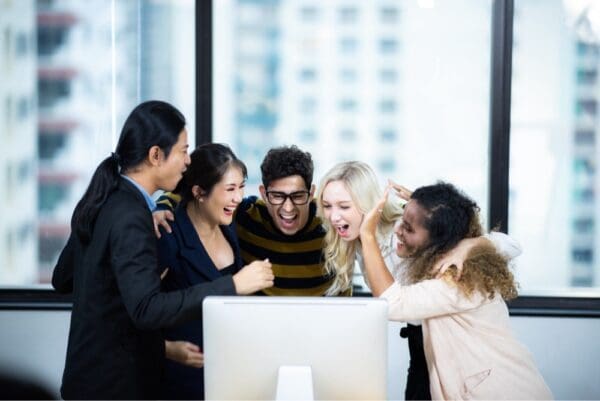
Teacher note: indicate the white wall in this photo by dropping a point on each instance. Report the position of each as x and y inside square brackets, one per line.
[566, 350]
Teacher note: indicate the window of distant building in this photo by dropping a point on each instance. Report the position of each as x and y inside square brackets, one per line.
[388, 75]
[307, 135]
[389, 15]
[347, 105]
[388, 46]
[309, 14]
[348, 45]
[387, 165]
[347, 135]
[387, 106]
[308, 74]
[388, 135]
[348, 15]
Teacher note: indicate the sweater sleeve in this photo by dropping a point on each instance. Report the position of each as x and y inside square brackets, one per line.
[505, 245]
[427, 299]
[168, 201]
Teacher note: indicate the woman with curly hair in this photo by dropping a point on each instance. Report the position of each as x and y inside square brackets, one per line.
[347, 192]
[470, 349]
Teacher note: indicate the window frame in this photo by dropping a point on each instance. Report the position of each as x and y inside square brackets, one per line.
[566, 305]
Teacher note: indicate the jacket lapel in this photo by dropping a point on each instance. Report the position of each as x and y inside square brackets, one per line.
[192, 250]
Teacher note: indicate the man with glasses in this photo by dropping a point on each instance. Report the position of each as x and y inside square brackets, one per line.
[282, 224]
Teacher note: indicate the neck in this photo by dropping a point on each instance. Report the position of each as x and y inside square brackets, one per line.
[206, 227]
[143, 180]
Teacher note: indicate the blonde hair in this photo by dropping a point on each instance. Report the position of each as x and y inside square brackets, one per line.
[360, 181]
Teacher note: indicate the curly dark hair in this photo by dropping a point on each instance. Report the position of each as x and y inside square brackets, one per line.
[450, 217]
[285, 161]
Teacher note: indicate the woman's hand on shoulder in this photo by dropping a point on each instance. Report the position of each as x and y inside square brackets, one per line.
[456, 256]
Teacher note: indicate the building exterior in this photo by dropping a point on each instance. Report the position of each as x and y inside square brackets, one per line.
[18, 132]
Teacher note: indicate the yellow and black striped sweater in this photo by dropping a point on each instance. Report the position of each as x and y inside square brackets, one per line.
[297, 259]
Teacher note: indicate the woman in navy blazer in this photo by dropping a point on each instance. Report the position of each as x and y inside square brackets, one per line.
[202, 247]
[115, 348]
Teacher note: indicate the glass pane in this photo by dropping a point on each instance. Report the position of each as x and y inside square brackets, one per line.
[401, 85]
[71, 72]
[553, 180]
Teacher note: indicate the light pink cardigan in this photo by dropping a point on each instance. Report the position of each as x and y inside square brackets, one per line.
[470, 349]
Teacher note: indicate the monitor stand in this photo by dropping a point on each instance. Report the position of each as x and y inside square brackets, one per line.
[294, 383]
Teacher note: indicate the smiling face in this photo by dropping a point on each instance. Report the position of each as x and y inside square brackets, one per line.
[224, 197]
[340, 210]
[412, 235]
[289, 218]
[171, 168]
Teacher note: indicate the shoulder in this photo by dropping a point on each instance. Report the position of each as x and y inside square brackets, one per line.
[484, 253]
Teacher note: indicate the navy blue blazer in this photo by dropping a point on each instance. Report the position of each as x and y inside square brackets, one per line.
[189, 264]
[116, 348]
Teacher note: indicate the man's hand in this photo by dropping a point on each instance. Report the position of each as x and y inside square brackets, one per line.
[161, 218]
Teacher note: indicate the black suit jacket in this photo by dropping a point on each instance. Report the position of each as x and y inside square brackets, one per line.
[115, 348]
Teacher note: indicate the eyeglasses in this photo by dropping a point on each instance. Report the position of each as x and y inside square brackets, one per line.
[297, 198]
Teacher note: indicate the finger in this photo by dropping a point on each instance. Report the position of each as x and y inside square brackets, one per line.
[383, 200]
[165, 224]
[169, 215]
[402, 191]
[156, 230]
[164, 273]
[192, 347]
[440, 271]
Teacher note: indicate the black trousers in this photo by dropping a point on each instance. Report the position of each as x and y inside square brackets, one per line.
[417, 383]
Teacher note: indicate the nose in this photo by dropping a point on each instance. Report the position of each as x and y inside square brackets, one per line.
[334, 216]
[238, 195]
[288, 205]
[188, 159]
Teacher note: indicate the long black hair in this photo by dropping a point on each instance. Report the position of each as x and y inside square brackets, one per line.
[152, 123]
[209, 163]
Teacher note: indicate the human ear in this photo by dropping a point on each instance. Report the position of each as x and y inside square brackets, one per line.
[155, 155]
[263, 192]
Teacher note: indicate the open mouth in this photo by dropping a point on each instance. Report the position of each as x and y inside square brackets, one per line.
[288, 221]
[229, 211]
[342, 229]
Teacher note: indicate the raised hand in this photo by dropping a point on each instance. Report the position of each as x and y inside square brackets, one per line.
[368, 226]
[402, 192]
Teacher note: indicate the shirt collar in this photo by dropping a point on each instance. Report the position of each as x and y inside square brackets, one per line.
[149, 201]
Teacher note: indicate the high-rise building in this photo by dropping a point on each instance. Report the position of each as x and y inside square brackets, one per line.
[18, 132]
[585, 183]
[75, 125]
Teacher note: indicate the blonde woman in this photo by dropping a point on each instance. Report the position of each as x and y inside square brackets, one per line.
[347, 192]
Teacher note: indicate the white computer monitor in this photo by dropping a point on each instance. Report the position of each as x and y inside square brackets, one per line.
[340, 342]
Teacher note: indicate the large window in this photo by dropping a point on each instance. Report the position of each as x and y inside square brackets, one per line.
[554, 208]
[71, 72]
[401, 85]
